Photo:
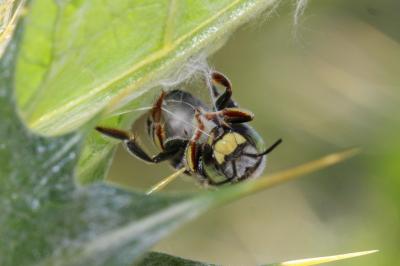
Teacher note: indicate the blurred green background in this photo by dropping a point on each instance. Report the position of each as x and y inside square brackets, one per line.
[329, 83]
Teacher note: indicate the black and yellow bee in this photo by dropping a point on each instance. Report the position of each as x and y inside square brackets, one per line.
[212, 143]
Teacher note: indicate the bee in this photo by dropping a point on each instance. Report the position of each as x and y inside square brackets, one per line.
[213, 143]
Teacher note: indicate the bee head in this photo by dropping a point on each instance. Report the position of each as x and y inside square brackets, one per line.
[236, 154]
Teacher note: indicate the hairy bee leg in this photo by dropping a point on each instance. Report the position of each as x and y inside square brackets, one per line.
[192, 156]
[114, 133]
[172, 146]
[232, 115]
[133, 147]
[193, 149]
[225, 98]
[237, 115]
[157, 128]
[128, 139]
[214, 91]
[137, 151]
[157, 108]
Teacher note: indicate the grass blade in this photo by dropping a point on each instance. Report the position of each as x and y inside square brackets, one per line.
[321, 260]
[165, 181]
[268, 181]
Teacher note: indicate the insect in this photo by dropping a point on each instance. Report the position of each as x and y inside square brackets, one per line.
[212, 143]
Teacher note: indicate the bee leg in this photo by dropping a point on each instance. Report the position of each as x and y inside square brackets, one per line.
[236, 115]
[172, 145]
[231, 115]
[223, 100]
[137, 151]
[156, 127]
[114, 133]
[128, 139]
[214, 91]
[157, 108]
[192, 152]
[192, 156]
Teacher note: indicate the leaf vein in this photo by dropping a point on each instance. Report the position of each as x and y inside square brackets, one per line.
[39, 122]
[169, 23]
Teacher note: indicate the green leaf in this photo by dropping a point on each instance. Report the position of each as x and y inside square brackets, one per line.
[45, 219]
[159, 259]
[80, 57]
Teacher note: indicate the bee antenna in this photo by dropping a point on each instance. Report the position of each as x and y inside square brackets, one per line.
[271, 148]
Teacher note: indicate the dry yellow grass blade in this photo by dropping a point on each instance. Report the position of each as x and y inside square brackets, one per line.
[320, 260]
[274, 179]
[292, 173]
[252, 186]
[165, 181]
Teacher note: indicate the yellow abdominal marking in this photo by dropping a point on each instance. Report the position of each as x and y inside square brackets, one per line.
[189, 158]
[227, 145]
[219, 157]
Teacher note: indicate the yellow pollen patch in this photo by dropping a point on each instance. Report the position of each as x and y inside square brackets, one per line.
[239, 138]
[219, 157]
[227, 145]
